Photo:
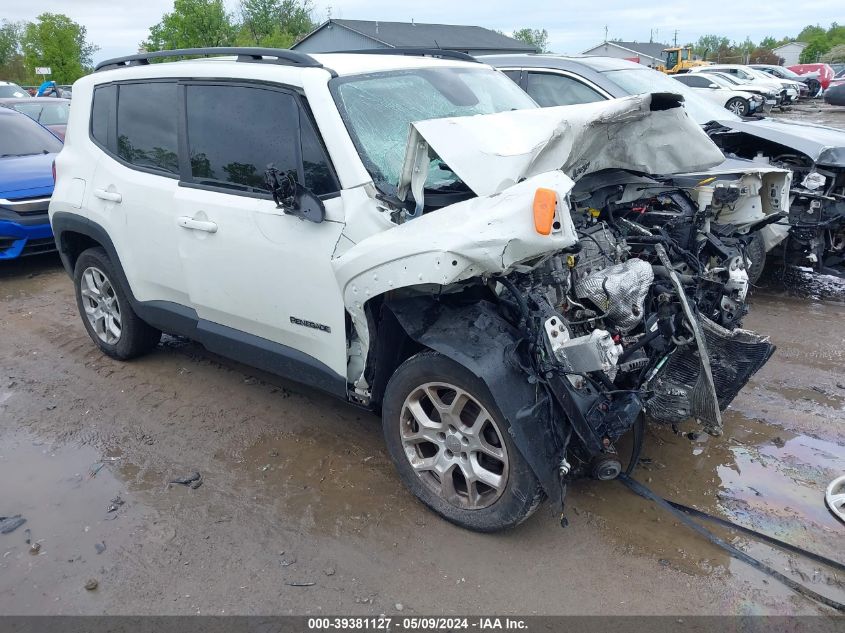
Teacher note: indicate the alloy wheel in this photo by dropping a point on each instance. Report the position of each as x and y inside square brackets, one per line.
[101, 306]
[737, 107]
[454, 445]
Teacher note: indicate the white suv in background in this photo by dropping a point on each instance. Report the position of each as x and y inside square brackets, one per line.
[730, 97]
[405, 233]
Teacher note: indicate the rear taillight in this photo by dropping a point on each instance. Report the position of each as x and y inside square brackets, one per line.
[54, 171]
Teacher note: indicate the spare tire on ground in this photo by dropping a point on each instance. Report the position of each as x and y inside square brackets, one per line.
[835, 95]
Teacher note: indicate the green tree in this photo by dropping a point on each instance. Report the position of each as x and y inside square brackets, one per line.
[836, 34]
[56, 41]
[192, 24]
[834, 55]
[708, 46]
[538, 38]
[816, 47]
[10, 38]
[810, 32]
[768, 42]
[274, 23]
[11, 58]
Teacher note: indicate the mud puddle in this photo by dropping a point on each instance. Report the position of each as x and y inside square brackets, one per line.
[332, 484]
[78, 516]
[756, 475]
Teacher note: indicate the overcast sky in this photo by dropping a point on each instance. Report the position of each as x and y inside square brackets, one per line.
[118, 26]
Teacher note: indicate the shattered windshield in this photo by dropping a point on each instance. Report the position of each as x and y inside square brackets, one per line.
[379, 108]
[642, 80]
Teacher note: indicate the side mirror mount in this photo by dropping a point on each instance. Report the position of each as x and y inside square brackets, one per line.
[714, 86]
[292, 197]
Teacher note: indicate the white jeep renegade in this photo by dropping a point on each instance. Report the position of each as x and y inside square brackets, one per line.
[405, 233]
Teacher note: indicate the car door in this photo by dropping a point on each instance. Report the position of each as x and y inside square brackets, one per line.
[257, 276]
[133, 186]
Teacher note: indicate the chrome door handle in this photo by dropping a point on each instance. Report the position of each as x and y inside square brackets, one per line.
[197, 225]
[111, 196]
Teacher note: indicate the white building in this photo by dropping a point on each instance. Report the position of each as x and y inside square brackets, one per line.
[790, 52]
[645, 53]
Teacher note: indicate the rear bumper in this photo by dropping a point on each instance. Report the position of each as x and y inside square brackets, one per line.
[18, 240]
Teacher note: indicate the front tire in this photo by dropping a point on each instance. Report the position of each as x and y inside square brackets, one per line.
[755, 254]
[105, 309]
[452, 447]
[738, 106]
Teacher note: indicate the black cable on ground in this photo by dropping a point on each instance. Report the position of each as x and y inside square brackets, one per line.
[646, 493]
[824, 560]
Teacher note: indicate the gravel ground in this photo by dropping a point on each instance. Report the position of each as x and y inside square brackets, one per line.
[297, 488]
[301, 512]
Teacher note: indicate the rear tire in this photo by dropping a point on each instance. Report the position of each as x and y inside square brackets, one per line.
[738, 106]
[105, 309]
[446, 437]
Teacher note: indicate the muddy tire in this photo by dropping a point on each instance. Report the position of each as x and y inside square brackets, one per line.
[813, 87]
[105, 309]
[452, 446]
[738, 106]
[755, 253]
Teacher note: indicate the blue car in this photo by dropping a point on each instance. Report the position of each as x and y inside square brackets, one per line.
[27, 151]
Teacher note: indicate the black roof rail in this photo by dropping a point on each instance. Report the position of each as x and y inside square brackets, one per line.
[418, 52]
[281, 56]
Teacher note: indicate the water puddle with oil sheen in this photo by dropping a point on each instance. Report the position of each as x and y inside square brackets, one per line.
[755, 475]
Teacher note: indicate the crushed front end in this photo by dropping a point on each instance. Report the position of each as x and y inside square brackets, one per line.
[610, 337]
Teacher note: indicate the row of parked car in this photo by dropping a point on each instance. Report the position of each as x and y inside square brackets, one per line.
[754, 89]
[511, 266]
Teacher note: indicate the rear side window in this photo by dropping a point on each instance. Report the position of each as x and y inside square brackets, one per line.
[102, 115]
[555, 90]
[147, 125]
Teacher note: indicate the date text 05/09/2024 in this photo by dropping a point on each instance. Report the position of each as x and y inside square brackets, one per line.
[419, 623]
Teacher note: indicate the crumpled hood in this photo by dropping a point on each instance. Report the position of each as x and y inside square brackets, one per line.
[824, 145]
[649, 133]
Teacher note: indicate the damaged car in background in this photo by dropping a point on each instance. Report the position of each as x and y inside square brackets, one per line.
[513, 288]
[809, 233]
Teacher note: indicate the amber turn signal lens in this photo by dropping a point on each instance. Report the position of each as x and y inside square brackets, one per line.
[544, 210]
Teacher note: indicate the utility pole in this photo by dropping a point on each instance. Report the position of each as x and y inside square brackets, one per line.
[676, 38]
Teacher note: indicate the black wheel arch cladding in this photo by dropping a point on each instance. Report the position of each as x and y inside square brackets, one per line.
[476, 336]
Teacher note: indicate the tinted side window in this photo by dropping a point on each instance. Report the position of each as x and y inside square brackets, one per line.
[554, 90]
[319, 176]
[235, 132]
[102, 114]
[513, 75]
[697, 82]
[147, 129]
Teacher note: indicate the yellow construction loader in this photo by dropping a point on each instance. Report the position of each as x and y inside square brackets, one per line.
[679, 60]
